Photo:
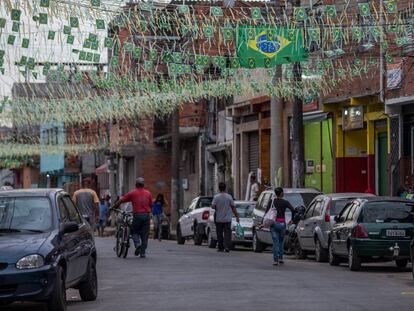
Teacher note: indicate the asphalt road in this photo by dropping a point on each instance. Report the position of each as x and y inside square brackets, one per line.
[187, 277]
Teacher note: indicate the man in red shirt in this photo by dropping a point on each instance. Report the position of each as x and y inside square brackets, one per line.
[141, 200]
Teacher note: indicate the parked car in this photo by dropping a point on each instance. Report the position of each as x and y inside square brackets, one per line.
[296, 196]
[412, 257]
[192, 223]
[245, 210]
[372, 229]
[314, 228]
[46, 246]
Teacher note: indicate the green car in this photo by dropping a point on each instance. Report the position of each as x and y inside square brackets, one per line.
[372, 229]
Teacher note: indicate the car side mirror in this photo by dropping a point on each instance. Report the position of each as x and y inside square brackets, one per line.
[337, 219]
[68, 227]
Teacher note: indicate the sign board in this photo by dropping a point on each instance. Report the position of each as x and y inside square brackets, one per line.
[394, 76]
[352, 118]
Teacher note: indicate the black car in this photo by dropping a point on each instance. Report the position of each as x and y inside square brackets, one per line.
[46, 246]
[412, 257]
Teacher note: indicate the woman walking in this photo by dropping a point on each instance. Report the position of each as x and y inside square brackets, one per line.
[157, 213]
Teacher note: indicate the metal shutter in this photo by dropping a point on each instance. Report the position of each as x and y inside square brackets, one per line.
[253, 144]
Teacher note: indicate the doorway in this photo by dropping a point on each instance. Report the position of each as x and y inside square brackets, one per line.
[382, 169]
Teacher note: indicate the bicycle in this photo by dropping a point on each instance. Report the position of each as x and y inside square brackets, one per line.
[123, 233]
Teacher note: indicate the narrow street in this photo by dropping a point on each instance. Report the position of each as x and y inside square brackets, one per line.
[175, 277]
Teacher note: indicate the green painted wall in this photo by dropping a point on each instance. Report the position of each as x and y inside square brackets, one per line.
[318, 147]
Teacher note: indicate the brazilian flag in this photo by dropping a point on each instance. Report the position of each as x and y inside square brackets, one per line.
[265, 47]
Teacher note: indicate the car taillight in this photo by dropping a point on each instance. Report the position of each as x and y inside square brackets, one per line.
[205, 215]
[327, 218]
[359, 232]
[328, 212]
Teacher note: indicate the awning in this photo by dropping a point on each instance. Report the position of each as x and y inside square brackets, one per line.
[315, 117]
[102, 169]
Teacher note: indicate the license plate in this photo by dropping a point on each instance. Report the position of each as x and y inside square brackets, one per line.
[395, 233]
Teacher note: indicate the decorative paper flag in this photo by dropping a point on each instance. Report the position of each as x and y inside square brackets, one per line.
[95, 3]
[100, 24]
[23, 61]
[114, 61]
[251, 63]
[375, 32]
[148, 65]
[143, 26]
[109, 43]
[43, 18]
[384, 45]
[219, 61]
[389, 59]
[46, 66]
[314, 34]
[337, 34]
[16, 27]
[228, 33]
[357, 33]
[183, 9]
[216, 11]
[300, 14]
[256, 13]
[364, 9]
[67, 30]
[153, 55]
[208, 32]
[92, 37]
[187, 71]
[184, 30]
[202, 60]
[251, 33]
[70, 39]
[11, 39]
[402, 41]
[25, 43]
[44, 3]
[31, 63]
[2, 53]
[95, 45]
[89, 56]
[390, 6]
[87, 44]
[82, 55]
[330, 11]
[144, 6]
[2, 22]
[96, 58]
[128, 46]
[172, 69]
[177, 57]
[74, 22]
[395, 28]
[137, 53]
[15, 14]
[51, 35]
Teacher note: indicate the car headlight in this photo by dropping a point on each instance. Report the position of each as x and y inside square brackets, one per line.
[30, 262]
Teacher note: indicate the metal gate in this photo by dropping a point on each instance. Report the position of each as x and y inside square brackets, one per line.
[253, 145]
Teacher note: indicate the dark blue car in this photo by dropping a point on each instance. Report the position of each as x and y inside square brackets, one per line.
[46, 246]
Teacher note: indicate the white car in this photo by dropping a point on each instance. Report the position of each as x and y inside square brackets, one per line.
[193, 221]
[245, 210]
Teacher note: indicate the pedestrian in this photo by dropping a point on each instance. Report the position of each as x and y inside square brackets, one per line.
[141, 200]
[224, 207]
[103, 216]
[87, 201]
[254, 188]
[278, 229]
[157, 213]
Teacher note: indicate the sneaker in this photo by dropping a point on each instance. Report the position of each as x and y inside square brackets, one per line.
[281, 261]
[142, 255]
[276, 263]
[220, 250]
[137, 250]
[227, 250]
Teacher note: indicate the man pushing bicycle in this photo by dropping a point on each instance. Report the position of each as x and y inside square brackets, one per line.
[141, 200]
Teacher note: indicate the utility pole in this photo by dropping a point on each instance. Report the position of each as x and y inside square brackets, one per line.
[298, 149]
[175, 170]
[276, 126]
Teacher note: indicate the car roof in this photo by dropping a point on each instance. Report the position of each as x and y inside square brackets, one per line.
[41, 192]
[384, 199]
[297, 190]
[347, 195]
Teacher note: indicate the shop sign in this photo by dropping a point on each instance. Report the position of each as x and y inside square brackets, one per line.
[353, 118]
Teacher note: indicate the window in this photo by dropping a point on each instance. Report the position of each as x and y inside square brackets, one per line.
[318, 208]
[345, 212]
[351, 212]
[338, 206]
[300, 199]
[204, 202]
[310, 210]
[72, 211]
[388, 212]
[265, 202]
[192, 206]
[245, 209]
[64, 216]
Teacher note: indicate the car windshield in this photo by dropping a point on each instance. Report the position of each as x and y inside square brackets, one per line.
[388, 211]
[245, 209]
[299, 199]
[205, 202]
[338, 206]
[28, 214]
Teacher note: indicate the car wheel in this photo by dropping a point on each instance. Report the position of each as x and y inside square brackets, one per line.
[180, 239]
[198, 239]
[211, 242]
[321, 254]
[401, 263]
[88, 289]
[333, 259]
[258, 246]
[57, 299]
[354, 261]
[299, 252]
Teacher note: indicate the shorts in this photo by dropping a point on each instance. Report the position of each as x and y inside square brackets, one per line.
[101, 223]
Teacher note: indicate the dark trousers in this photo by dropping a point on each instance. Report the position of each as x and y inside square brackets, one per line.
[140, 231]
[223, 233]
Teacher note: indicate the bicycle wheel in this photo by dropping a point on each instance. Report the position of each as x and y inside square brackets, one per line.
[126, 242]
[119, 247]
